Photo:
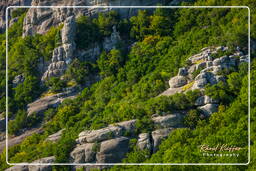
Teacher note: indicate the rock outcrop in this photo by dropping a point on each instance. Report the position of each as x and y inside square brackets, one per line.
[42, 104]
[55, 137]
[4, 5]
[62, 55]
[39, 20]
[84, 153]
[172, 120]
[110, 144]
[113, 150]
[158, 136]
[144, 141]
[203, 68]
[47, 160]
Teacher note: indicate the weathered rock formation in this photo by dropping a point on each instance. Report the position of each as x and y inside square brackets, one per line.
[40, 20]
[55, 137]
[35, 167]
[204, 69]
[4, 5]
[42, 104]
[110, 144]
[63, 54]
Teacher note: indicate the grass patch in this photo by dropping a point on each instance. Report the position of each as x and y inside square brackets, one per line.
[199, 61]
[48, 93]
[188, 86]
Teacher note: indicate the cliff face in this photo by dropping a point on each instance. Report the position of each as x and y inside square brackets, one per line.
[4, 4]
[40, 20]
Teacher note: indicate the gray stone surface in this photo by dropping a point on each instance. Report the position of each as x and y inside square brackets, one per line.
[62, 55]
[177, 81]
[172, 120]
[202, 100]
[144, 141]
[113, 150]
[42, 167]
[84, 153]
[208, 109]
[42, 104]
[158, 136]
[55, 137]
[17, 168]
[100, 134]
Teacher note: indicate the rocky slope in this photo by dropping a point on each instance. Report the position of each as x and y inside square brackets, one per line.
[111, 144]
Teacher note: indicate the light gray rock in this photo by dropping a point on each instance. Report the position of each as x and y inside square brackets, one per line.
[113, 150]
[84, 153]
[172, 120]
[144, 141]
[158, 136]
[177, 81]
[42, 104]
[199, 84]
[55, 137]
[68, 30]
[42, 167]
[219, 61]
[203, 100]
[126, 125]
[62, 55]
[192, 69]
[208, 109]
[17, 168]
[100, 134]
[40, 20]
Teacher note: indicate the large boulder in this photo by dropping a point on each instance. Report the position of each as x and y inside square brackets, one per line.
[202, 100]
[68, 30]
[100, 134]
[208, 109]
[158, 136]
[113, 130]
[144, 141]
[42, 104]
[55, 137]
[177, 81]
[84, 153]
[17, 168]
[172, 120]
[113, 150]
[62, 55]
[128, 126]
[42, 167]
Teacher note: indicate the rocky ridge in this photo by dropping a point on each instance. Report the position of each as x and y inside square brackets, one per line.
[110, 144]
[62, 55]
[203, 69]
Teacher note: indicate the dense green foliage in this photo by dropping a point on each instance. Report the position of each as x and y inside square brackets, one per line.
[131, 80]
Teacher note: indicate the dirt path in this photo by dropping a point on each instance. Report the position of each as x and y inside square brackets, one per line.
[18, 139]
